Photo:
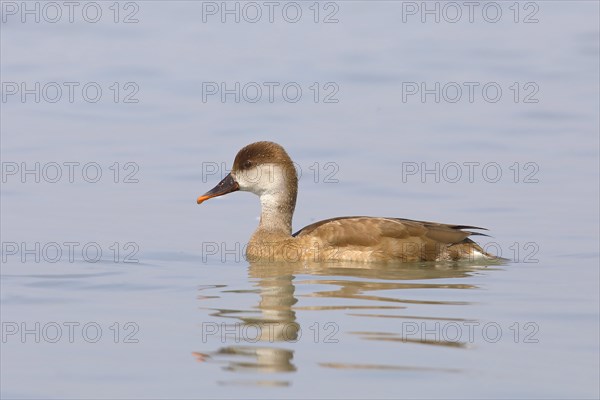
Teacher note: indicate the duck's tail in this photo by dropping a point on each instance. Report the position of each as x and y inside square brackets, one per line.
[468, 250]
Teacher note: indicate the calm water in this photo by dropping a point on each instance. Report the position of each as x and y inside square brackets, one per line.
[137, 292]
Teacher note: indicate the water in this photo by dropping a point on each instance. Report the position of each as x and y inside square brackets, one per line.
[191, 318]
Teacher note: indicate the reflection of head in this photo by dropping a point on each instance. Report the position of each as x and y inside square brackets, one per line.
[254, 359]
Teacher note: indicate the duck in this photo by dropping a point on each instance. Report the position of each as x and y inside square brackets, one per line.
[265, 169]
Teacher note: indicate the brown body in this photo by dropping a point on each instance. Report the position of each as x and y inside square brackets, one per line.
[265, 169]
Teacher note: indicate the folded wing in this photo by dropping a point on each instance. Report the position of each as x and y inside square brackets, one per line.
[388, 238]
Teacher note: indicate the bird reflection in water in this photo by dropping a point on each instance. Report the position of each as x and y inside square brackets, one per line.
[273, 320]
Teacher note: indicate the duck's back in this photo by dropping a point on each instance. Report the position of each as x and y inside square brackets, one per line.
[389, 239]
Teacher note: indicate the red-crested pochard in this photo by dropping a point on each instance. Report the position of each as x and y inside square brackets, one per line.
[265, 169]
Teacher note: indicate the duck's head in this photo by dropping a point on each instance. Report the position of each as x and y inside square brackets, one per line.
[263, 168]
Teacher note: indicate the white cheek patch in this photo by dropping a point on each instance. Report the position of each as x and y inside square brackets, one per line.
[247, 179]
[263, 179]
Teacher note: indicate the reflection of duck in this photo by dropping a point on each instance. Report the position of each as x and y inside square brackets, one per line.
[266, 359]
[275, 312]
[277, 320]
[275, 323]
[265, 169]
[344, 282]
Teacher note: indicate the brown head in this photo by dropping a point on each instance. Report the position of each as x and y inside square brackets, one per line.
[265, 169]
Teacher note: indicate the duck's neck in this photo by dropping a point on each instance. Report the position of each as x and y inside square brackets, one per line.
[277, 210]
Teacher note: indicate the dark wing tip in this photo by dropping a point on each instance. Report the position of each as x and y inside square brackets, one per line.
[468, 227]
[477, 234]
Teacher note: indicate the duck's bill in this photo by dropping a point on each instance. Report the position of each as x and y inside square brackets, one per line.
[227, 185]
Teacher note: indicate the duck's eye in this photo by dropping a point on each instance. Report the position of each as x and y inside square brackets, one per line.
[247, 164]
